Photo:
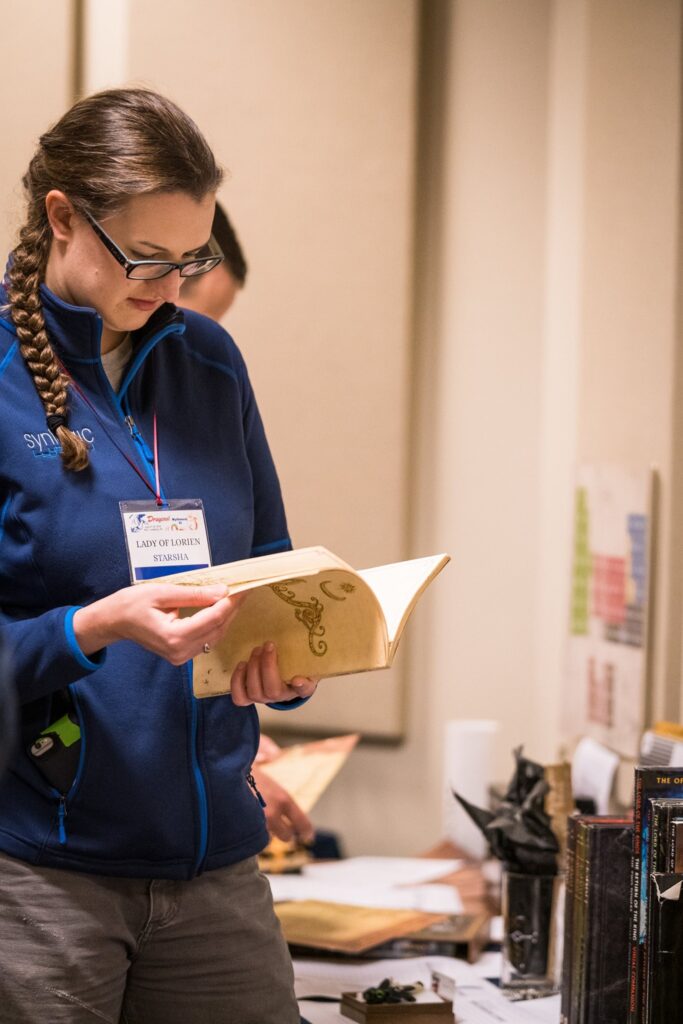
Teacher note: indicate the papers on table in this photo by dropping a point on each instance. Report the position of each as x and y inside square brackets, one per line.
[383, 871]
[477, 1001]
[395, 883]
[433, 899]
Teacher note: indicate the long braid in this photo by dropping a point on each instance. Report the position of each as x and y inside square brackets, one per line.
[24, 279]
[106, 149]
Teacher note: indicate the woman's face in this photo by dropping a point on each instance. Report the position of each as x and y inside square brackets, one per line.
[83, 272]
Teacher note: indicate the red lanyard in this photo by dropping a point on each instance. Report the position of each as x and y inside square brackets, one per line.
[156, 491]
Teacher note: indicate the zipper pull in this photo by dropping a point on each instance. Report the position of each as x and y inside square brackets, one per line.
[252, 782]
[61, 815]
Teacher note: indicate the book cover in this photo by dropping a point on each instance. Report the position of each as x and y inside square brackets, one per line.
[607, 926]
[666, 942]
[590, 966]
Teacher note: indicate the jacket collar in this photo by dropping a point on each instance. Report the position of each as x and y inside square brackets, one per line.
[77, 330]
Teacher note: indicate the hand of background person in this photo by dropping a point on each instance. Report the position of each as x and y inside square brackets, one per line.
[284, 817]
[150, 616]
[258, 680]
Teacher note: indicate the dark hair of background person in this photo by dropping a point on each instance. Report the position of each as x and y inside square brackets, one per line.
[225, 235]
[107, 148]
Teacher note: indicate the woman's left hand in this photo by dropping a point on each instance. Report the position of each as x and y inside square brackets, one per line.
[258, 680]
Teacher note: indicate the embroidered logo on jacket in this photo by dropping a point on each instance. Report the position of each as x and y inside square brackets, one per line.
[46, 445]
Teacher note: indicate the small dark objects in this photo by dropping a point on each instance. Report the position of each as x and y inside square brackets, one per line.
[519, 830]
[389, 992]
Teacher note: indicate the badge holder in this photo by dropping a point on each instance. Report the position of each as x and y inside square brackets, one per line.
[165, 539]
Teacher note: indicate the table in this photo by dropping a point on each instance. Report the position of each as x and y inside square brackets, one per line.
[478, 1001]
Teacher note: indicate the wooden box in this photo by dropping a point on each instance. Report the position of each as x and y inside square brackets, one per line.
[394, 1013]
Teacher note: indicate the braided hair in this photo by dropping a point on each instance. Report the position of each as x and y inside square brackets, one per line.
[107, 148]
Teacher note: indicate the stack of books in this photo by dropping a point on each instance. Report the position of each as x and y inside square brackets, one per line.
[596, 924]
[623, 928]
[656, 941]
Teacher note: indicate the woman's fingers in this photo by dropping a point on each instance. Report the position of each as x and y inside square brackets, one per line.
[258, 681]
[238, 686]
[270, 679]
[169, 595]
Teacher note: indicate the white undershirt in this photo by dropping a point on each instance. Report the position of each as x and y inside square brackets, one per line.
[115, 362]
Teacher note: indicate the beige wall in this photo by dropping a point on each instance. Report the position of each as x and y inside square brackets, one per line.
[630, 395]
[36, 85]
[311, 107]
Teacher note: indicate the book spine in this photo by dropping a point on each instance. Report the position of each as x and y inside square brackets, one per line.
[585, 950]
[594, 880]
[634, 962]
[565, 998]
[579, 937]
[656, 854]
[674, 857]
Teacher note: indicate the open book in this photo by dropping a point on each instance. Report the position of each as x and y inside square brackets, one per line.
[325, 618]
[305, 770]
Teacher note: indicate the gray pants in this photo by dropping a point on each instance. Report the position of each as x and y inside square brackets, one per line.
[78, 948]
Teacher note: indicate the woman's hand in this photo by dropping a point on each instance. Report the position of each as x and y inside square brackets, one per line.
[258, 680]
[149, 614]
[284, 817]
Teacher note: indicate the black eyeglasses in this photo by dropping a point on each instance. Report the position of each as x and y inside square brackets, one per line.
[151, 270]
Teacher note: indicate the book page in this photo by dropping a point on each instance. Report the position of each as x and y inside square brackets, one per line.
[252, 572]
[348, 929]
[398, 587]
[326, 624]
[306, 769]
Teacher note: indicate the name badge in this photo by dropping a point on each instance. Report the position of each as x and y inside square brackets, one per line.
[164, 539]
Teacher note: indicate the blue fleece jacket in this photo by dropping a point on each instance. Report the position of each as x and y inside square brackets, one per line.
[161, 788]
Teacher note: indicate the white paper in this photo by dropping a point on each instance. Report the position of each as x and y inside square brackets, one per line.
[593, 771]
[433, 899]
[476, 1001]
[384, 872]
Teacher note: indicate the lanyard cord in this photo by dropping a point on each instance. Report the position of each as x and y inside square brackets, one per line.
[156, 461]
[156, 491]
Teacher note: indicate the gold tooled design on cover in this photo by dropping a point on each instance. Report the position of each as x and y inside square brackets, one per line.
[308, 613]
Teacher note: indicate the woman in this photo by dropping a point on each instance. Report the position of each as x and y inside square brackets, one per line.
[128, 826]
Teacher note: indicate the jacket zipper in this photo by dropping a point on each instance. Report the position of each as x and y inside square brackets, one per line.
[198, 777]
[142, 449]
[62, 810]
[252, 782]
[117, 401]
[61, 815]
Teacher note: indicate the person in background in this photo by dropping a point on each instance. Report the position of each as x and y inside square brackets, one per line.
[213, 295]
[129, 829]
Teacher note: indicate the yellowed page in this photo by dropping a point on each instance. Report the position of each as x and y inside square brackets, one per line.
[306, 769]
[398, 587]
[339, 926]
[251, 572]
[324, 624]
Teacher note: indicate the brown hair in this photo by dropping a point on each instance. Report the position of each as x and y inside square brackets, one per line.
[107, 148]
